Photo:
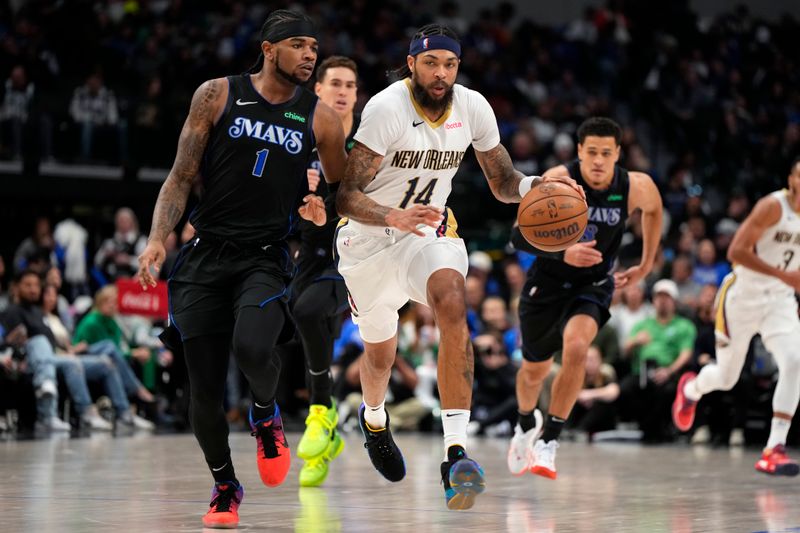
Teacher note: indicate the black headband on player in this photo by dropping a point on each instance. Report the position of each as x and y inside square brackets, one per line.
[285, 30]
[434, 42]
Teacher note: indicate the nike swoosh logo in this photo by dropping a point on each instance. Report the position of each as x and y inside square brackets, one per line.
[415, 124]
[448, 415]
[239, 102]
[220, 468]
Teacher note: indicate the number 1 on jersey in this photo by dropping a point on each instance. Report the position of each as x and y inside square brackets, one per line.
[261, 162]
[424, 196]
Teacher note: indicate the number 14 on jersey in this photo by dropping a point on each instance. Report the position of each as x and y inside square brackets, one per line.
[423, 197]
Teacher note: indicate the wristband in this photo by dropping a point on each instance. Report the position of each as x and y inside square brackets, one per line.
[526, 183]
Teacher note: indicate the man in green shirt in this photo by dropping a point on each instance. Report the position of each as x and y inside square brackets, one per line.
[659, 348]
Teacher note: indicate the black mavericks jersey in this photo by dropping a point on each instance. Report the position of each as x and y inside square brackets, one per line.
[608, 213]
[318, 240]
[254, 166]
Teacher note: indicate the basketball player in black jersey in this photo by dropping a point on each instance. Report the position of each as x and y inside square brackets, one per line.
[318, 292]
[249, 137]
[567, 294]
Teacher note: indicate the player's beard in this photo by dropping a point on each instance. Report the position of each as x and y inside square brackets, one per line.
[291, 78]
[424, 99]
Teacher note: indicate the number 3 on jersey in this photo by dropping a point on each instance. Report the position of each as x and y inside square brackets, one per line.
[424, 196]
[261, 162]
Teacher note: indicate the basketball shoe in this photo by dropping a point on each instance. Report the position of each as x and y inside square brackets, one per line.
[383, 452]
[683, 408]
[520, 451]
[272, 452]
[224, 508]
[315, 471]
[320, 428]
[462, 478]
[544, 458]
[775, 462]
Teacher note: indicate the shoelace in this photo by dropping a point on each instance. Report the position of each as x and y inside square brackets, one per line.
[223, 500]
[266, 432]
[323, 420]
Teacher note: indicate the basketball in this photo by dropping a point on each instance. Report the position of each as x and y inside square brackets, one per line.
[552, 216]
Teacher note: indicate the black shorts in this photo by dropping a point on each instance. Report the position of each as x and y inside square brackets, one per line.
[547, 304]
[213, 279]
[331, 298]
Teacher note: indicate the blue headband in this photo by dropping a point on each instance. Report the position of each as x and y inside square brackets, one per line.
[434, 42]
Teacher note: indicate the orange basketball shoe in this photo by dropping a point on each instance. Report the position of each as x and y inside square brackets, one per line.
[683, 408]
[775, 462]
[224, 509]
[272, 454]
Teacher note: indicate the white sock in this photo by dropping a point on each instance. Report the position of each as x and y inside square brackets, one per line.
[778, 432]
[454, 424]
[691, 392]
[375, 416]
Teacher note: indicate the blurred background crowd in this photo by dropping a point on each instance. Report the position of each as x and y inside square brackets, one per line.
[710, 107]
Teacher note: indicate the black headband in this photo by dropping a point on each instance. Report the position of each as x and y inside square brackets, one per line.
[285, 30]
[434, 42]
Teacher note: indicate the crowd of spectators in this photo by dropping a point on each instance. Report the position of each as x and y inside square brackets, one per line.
[710, 109]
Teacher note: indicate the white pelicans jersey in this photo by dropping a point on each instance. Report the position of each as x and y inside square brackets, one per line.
[420, 157]
[779, 246]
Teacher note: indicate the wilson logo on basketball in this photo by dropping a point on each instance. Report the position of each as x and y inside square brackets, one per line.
[453, 125]
[557, 233]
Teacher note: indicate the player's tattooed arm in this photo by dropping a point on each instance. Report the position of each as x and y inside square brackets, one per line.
[174, 192]
[362, 165]
[500, 173]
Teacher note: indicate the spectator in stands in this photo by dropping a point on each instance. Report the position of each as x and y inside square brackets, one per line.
[707, 270]
[99, 326]
[658, 348]
[37, 251]
[94, 110]
[475, 293]
[632, 308]
[494, 406]
[596, 408]
[76, 370]
[688, 288]
[71, 237]
[15, 347]
[21, 123]
[118, 256]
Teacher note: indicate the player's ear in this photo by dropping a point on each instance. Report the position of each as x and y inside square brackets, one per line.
[317, 88]
[410, 61]
[617, 151]
[268, 49]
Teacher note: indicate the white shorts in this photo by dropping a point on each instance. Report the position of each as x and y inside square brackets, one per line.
[383, 270]
[743, 311]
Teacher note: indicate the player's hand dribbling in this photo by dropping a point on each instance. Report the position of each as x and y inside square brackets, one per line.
[313, 209]
[567, 181]
[153, 255]
[583, 254]
[313, 179]
[409, 219]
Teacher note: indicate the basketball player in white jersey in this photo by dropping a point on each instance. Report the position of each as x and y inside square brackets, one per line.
[758, 297]
[399, 242]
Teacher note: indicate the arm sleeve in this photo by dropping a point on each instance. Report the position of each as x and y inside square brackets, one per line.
[519, 242]
[379, 126]
[485, 134]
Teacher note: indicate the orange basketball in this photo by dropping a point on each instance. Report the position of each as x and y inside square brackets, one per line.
[552, 216]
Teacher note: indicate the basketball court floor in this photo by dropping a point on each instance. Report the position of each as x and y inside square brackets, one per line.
[160, 483]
